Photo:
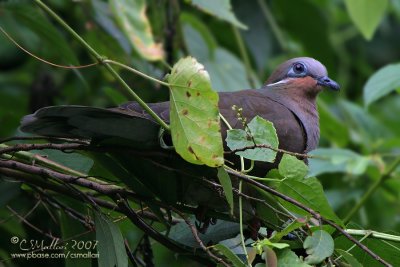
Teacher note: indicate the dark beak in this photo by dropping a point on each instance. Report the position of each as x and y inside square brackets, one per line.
[328, 82]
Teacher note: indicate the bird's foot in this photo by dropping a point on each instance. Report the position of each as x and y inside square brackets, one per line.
[203, 221]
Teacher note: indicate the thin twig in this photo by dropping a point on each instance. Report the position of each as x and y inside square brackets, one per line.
[28, 147]
[102, 188]
[300, 155]
[30, 225]
[198, 239]
[43, 60]
[69, 140]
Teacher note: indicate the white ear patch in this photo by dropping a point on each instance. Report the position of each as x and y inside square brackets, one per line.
[280, 82]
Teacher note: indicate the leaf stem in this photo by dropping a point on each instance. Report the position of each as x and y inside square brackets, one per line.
[372, 190]
[135, 71]
[101, 60]
[241, 223]
[244, 55]
[365, 236]
[374, 234]
[274, 26]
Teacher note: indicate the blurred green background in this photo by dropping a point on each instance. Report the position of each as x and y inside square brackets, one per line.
[354, 39]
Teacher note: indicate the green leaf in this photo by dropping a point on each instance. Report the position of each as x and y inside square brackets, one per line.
[337, 160]
[194, 114]
[299, 222]
[349, 258]
[381, 83]
[198, 39]
[75, 161]
[366, 14]
[221, 66]
[70, 229]
[266, 242]
[221, 9]
[229, 254]
[287, 258]
[219, 62]
[292, 168]
[262, 133]
[131, 16]
[225, 181]
[365, 128]
[111, 243]
[387, 250]
[310, 193]
[332, 128]
[319, 246]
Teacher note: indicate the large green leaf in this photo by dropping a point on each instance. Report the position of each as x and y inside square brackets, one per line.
[332, 128]
[364, 127]
[260, 132]
[337, 160]
[292, 168]
[366, 14]
[198, 38]
[131, 16]
[381, 83]
[318, 246]
[221, 9]
[221, 67]
[387, 250]
[72, 228]
[194, 114]
[310, 193]
[111, 246]
[219, 62]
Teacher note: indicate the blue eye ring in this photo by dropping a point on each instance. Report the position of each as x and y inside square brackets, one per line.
[298, 69]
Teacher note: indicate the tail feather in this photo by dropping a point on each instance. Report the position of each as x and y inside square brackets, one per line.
[98, 124]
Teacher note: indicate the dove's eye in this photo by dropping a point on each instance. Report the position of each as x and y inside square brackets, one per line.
[298, 69]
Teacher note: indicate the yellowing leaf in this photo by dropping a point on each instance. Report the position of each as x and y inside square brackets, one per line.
[131, 16]
[194, 114]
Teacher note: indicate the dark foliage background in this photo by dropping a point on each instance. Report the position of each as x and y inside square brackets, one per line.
[361, 131]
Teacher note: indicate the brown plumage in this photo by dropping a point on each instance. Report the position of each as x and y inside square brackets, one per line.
[288, 99]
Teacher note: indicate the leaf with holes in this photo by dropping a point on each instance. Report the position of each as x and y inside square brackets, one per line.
[319, 246]
[261, 132]
[194, 114]
[132, 18]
